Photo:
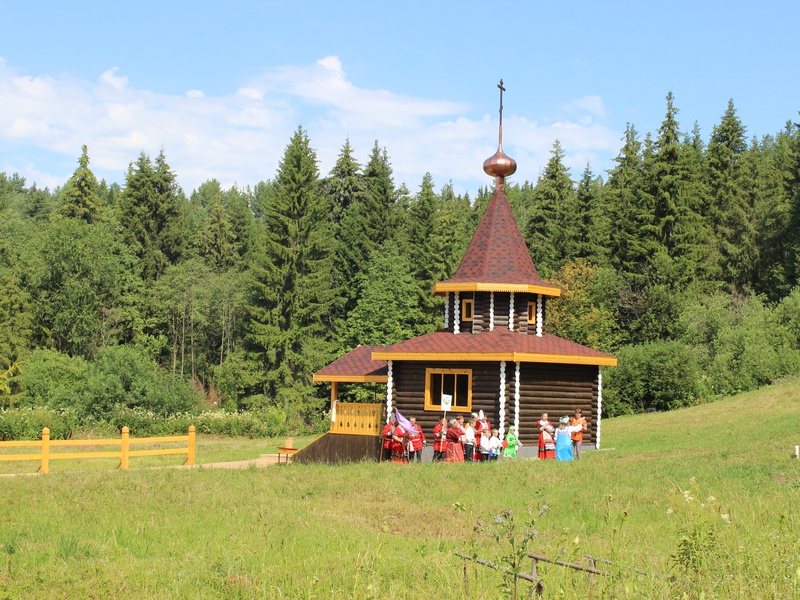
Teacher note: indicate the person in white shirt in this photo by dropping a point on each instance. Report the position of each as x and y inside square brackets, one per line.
[485, 447]
[495, 445]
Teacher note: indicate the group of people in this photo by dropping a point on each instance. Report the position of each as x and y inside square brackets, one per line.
[562, 442]
[454, 440]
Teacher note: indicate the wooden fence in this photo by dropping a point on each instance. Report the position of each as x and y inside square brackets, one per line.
[124, 453]
[534, 578]
[355, 418]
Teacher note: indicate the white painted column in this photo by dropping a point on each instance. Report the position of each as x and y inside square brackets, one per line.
[502, 415]
[599, 405]
[516, 398]
[511, 312]
[539, 329]
[446, 310]
[389, 380]
[491, 311]
[456, 313]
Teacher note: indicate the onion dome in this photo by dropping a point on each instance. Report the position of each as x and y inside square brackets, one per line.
[500, 165]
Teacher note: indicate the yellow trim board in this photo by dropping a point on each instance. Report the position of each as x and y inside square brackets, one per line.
[472, 286]
[526, 357]
[352, 378]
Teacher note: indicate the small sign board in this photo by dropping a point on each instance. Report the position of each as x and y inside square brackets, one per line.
[447, 402]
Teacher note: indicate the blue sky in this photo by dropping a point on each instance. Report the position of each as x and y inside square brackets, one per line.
[222, 86]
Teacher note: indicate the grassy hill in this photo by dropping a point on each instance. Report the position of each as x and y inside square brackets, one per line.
[705, 501]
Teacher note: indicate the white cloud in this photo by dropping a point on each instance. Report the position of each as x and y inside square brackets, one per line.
[593, 105]
[240, 137]
[110, 78]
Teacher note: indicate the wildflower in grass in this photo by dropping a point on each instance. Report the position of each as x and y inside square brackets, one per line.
[725, 517]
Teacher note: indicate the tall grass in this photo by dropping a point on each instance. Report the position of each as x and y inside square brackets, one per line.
[704, 500]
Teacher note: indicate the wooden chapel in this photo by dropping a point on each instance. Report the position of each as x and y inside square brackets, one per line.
[493, 353]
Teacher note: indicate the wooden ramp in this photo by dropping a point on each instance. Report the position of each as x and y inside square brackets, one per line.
[338, 448]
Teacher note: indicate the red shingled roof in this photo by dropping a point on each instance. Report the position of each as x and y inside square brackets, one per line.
[497, 254]
[355, 366]
[500, 344]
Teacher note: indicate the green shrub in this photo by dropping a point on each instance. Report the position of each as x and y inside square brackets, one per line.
[120, 377]
[660, 375]
[54, 379]
[752, 348]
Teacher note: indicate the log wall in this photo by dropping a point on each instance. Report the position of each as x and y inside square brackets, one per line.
[482, 312]
[557, 390]
[521, 313]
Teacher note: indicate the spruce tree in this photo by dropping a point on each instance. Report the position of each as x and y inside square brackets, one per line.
[425, 247]
[238, 209]
[593, 223]
[346, 192]
[380, 210]
[665, 182]
[771, 213]
[731, 212]
[153, 213]
[217, 240]
[291, 286]
[623, 193]
[791, 175]
[80, 199]
[552, 229]
[697, 249]
[388, 310]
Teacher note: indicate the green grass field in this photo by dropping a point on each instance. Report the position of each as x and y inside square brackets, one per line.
[705, 501]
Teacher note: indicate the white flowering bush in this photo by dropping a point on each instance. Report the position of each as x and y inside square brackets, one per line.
[27, 423]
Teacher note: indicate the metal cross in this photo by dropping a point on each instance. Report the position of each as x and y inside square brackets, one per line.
[502, 89]
[500, 130]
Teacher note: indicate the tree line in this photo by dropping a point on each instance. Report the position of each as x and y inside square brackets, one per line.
[683, 259]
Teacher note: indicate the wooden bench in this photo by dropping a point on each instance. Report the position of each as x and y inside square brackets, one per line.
[287, 450]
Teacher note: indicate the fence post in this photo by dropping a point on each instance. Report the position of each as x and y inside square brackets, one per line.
[44, 467]
[126, 437]
[539, 588]
[190, 451]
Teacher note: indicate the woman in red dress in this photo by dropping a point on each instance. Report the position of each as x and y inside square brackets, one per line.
[547, 443]
[454, 451]
[399, 445]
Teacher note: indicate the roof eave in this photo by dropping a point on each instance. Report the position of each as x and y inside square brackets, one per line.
[524, 357]
[350, 378]
[444, 287]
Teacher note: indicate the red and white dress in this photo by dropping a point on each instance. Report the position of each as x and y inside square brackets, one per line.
[547, 442]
